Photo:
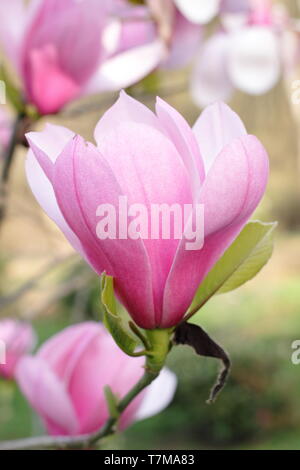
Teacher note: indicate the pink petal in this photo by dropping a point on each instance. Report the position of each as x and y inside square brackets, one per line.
[63, 48]
[126, 109]
[83, 181]
[46, 394]
[50, 142]
[137, 29]
[254, 63]
[50, 87]
[63, 351]
[92, 374]
[210, 81]
[216, 127]
[184, 43]
[230, 194]
[180, 133]
[19, 339]
[150, 171]
[127, 68]
[74, 29]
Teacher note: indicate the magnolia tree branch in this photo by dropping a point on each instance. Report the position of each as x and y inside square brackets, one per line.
[84, 441]
[31, 283]
[16, 138]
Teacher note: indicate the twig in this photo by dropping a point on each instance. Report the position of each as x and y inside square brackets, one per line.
[76, 283]
[17, 294]
[8, 160]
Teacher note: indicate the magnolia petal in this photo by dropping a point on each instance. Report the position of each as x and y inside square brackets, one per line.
[83, 180]
[63, 351]
[184, 43]
[46, 393]
[127, 68]
[51, 141]
[137, 29]
[50, 87]
[155, 176]
[254, 64]
[232, 190]
[216, 127]
[209, 80]
[184, 140]
[126, 109]
[56, 24]
[158, 395]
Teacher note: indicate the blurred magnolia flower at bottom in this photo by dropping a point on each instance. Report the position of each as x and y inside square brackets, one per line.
[5, 129]
[64, 382]
[17, 338]
[249, 59]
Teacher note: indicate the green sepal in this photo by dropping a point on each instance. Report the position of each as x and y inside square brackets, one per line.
[113, 319]
[247, 255]
[111, 401]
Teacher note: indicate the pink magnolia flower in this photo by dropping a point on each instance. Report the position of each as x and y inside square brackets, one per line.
[64, 382]
[246, 54]
[151, 159]
[17, 338]
[66, 49]
[5, 129]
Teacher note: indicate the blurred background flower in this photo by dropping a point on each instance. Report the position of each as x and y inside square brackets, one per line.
[64, 50]
[247, 52]
[18, 339]
[65, 380]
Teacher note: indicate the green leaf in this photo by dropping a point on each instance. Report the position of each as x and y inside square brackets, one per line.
[241, 262]
[114, 320]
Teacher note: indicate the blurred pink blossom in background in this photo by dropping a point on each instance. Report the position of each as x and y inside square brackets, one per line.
[249, 53]
[181, 36]
[64, 381]
[19, 339]
[62, 50]
[152, 159]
